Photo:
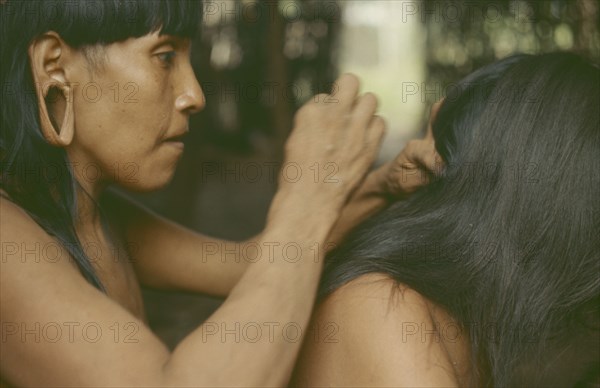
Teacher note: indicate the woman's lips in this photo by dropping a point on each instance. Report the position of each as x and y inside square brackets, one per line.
[177, 140]
[177, 144]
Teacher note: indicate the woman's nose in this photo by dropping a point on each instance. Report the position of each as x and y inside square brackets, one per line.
[192, 99]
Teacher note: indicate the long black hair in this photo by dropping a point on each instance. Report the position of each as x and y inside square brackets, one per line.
[35, 175]
[506, 238]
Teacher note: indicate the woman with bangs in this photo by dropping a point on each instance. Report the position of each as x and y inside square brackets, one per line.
[489, 275]
[73, 319]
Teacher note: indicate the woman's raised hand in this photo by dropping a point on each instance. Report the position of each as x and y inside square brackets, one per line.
[334, 142]
[414, 165]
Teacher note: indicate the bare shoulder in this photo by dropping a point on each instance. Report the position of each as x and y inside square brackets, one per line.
[28, 256]
[24, 241]
[385, 335]
[14, 221]
[47, 306]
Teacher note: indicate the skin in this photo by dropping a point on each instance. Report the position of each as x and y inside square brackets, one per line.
[387, 335]
[113, 136]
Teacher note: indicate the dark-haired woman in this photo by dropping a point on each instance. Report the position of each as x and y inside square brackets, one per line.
[490, 275]
[99, 93]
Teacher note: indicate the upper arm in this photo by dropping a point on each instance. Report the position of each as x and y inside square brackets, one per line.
[59, 330]
[379, 340]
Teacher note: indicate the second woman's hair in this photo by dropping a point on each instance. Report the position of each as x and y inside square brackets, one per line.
[506, 238]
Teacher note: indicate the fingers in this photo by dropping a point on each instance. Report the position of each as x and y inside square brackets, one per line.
[424, 154]
[344, 90]
[361, 108]
[375, 134]
[364, 109]
[435, 108]
[349, 117]
[423, 151]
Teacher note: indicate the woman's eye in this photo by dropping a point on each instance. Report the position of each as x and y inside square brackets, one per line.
[167, 57]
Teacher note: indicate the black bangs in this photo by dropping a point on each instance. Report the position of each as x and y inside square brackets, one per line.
[89, 22]
[117, 20]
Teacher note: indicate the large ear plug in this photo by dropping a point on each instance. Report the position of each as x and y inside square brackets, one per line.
[64, 136]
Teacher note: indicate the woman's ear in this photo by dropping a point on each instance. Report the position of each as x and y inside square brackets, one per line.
[47, 56]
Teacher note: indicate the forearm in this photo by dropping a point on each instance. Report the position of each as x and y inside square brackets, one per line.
[253, 339]
[199, 263]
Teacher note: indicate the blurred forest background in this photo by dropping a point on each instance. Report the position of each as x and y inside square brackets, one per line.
[258, 61]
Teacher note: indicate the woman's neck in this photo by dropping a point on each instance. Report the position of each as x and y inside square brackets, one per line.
[89, 220]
